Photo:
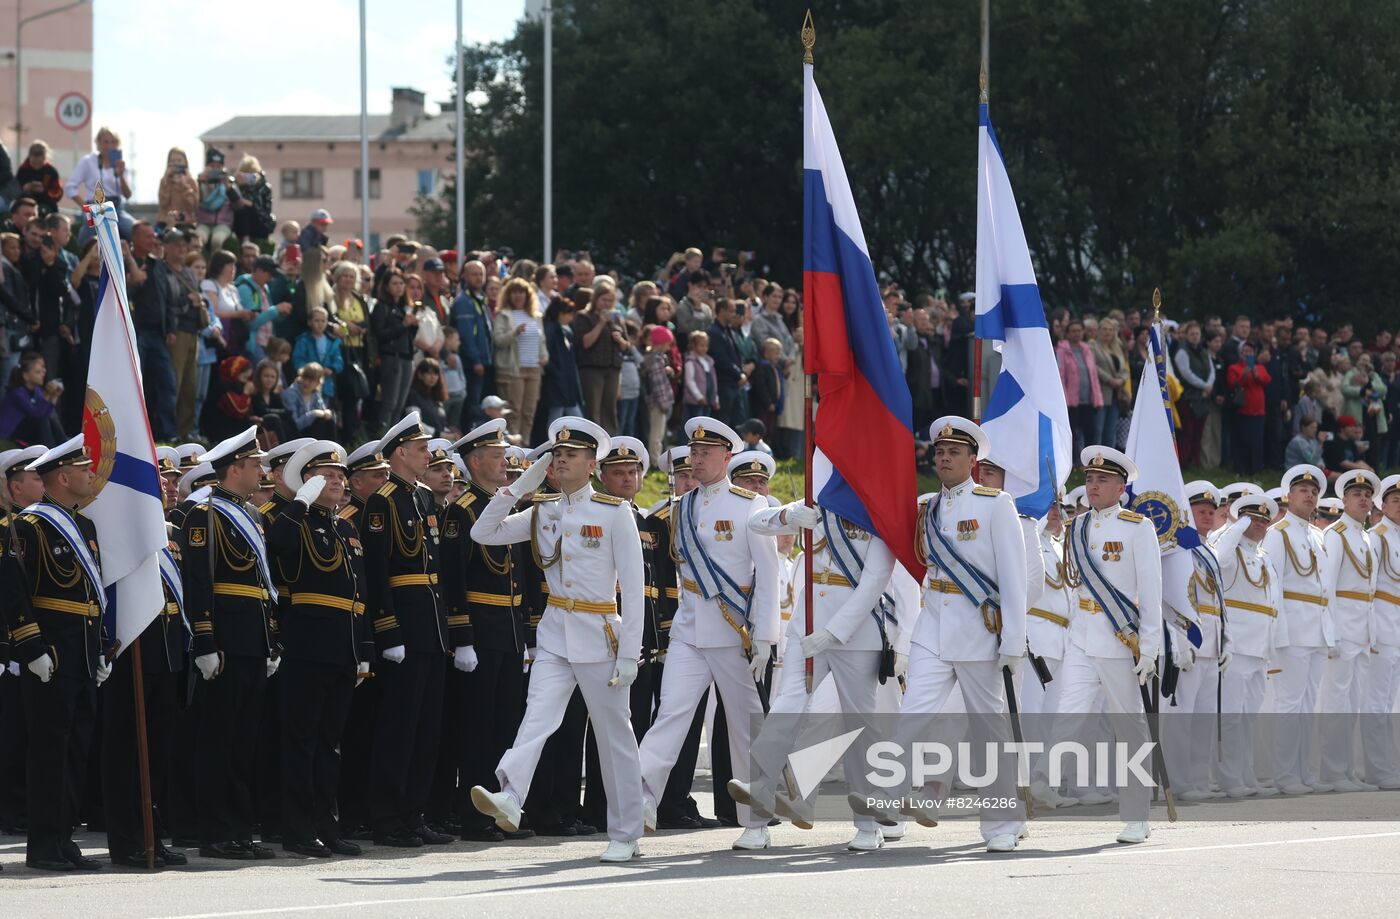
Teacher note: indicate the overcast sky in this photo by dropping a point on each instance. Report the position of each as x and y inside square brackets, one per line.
[165, 71]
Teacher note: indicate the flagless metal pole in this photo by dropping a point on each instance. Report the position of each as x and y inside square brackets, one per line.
[461, 137]
[364, 132]
[809, 38]
[982, 82]
[548, 190]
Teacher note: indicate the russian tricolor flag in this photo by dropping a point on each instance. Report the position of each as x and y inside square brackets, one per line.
[864, 468]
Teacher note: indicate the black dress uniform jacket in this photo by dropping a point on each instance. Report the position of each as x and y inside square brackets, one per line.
[217, 560]
[323, 561]
[482, 588]
[400, 531]
[53, 605]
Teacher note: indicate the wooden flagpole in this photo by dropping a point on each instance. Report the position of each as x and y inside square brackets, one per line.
[809, 38]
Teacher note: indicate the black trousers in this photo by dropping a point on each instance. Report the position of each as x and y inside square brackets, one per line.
[495, 693]
[121, 773]
[553, 800]
[60, 714]
[315, 700]
[227, 711]
[642, 693]
[357, 749]
[406, 735]
[442, 795]
[181, 798]
[14, 744]
[267, 776]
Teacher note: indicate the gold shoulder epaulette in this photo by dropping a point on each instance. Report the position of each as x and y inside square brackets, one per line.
[348, 511]
[387, 490]
[30, 518]
[266, 508]
[1281, 525]
[664, 513]
[743, 492]
[538, 497]
[986, 490]
[466, 501]
[1378, 529]
[1130, 516]
[1339, 526]
[607, 499]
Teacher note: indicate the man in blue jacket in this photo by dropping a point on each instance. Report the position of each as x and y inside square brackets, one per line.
[472, 318]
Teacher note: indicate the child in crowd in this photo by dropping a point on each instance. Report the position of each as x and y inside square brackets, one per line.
[314, 346]
[287, 236]
[701, 384]
[311, 417]
[752, 432]
[1305, 447]
[658, 384]
[629, 381]
[279, 351]
[766, 391]
[267, 410]
[452, 376]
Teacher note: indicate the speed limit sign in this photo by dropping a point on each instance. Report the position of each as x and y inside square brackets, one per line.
[73, 111]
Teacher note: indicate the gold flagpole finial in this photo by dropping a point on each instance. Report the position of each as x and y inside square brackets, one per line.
[98, 195]
[809, 37]
[1156, 304]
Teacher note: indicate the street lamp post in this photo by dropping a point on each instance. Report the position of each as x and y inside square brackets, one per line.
[20, 23]
[548, 132]
[364, 136]
[461, 135]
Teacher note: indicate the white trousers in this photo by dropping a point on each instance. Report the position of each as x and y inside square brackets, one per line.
[1188, 728]
[552, 682]
[1086, 681]
[1039, 705]
[931, 681]
[1342, 695]
[689, 672]
[1295, 699]
[1241, 701]
[1377, 732]
[855, 678]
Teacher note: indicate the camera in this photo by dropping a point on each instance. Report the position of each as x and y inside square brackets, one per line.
[48, 240]
[727, 268]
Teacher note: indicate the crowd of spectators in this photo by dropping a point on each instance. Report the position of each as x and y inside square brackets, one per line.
[244, 320]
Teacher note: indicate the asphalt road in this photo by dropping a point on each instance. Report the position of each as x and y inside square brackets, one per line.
[1336, 861]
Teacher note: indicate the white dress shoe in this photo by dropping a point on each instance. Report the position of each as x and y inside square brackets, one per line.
[649, 814]
[1322, 787]
[1366, 786]
[1195, 794]
[892, 833]
[753, 839]
[1090, 798]
[1137, 831]
[798, 810]
[922, 810]
[1298, 789]
[1389, 784]
[619, 851]
[1265, 791]
[757, 797]
[1215, 794]
[1048, 798]
[882, 812]
[1345, 786]
[1003, 842]
[1241, 791]
[866, 841]
[503, 807]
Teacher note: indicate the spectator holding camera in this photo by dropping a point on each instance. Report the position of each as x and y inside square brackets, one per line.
[252, 209]
[38, 178]
[1247, 379]
[600, 345]
[105, 166]
[213, 215]
[29, 413]
[179, 193]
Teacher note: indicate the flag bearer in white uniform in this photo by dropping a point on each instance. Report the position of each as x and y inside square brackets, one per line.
[854, 627]
[1381, 766]
[727, 623]
[1047, 633]
[1294, 548]
[590, 551]
[1116, 634]
[1252, 598]
[1349, 583]
[974, 617]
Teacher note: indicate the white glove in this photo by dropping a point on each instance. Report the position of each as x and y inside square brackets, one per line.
[901, 665]
[1225, 656]
[464, 658]
[531, 478]
[104, 669]
[208, 665]
[1011, 662]
[625, 674]
[311, 489]
[1185, 658]
[527, 660]
[12, 669]
[817, 642]
[1145, 668]
[42, 667]
[272, 664]
[762, 650]
[801, 515]
[361, 671]
[395, 654]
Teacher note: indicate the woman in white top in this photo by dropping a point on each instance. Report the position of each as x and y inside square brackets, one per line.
[105, 166]
[520, 352]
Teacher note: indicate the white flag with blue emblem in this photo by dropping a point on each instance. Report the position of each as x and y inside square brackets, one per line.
[1160, 492]
[126, 508]
[1026, 418]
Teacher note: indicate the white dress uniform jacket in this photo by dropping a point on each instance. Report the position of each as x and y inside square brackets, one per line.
[1252, 594]
[1124, 545]
[594, 537]
[1048, 619]
[1385, 539]
[1295, 549]
[1349, 580]
[984, 529]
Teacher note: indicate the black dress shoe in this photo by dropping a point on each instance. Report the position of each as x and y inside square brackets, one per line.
[360, 834]
[726, 821]
[680, 822]
[259, 851]
[398, 840]
[51, 864]
[171, 857]
[430, 836]
[584, 829]
[311, 848]
[490, 833]
[343, 847]
[185, 842]
[273, 838]
[521, 834]
[76, 858]
[229, 850]
[135, 860]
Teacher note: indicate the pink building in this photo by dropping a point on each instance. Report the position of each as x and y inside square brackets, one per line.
[313, 161]
[56, 54]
